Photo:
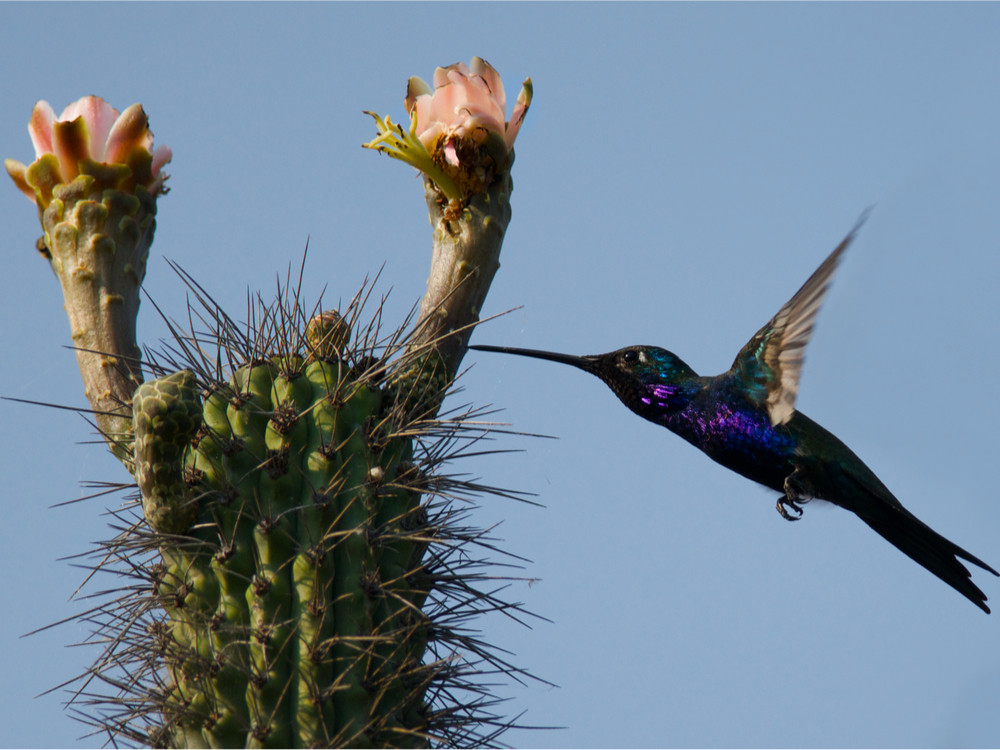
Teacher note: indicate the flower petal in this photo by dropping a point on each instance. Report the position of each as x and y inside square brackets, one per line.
[40, 127]
[71, 143]
[441, 75]
[43, 175]
[426, 120]
[430, 135]
[17, 171]
[520, 110]
[130, 131]
[482, 101]
[416, 87]
[161, 156]
[451, 153]
[461, 98]
[99, 116]
[492, 80]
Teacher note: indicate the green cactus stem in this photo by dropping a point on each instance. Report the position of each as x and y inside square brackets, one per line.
[304, 556]
[166, 417]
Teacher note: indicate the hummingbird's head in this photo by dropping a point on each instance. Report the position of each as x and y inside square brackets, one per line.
[648, 380]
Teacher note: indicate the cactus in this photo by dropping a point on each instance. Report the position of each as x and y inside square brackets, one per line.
[307, 572]
[299, 572]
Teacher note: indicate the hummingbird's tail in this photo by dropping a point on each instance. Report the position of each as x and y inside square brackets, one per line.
[924, 545]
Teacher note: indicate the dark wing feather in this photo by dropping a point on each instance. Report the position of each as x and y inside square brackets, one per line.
[771, 362]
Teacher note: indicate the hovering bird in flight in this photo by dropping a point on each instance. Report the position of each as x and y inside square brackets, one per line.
[745, 419]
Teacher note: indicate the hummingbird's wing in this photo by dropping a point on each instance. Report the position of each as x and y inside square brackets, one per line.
[771, 362]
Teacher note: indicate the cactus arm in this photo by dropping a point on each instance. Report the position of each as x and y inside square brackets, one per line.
[95, 182]
[466, 256]
[98, 245]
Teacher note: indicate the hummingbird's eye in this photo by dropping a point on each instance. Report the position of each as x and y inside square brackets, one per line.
[630, 355]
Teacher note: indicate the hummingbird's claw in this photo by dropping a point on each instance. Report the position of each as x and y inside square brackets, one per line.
[796, 508]
[797, 493]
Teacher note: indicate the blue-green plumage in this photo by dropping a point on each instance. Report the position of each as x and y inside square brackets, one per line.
[745, 419]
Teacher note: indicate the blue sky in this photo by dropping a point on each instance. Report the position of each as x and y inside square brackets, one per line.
[682, 171]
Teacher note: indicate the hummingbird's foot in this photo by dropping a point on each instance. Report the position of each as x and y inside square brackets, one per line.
[796, 494]
[783, 501]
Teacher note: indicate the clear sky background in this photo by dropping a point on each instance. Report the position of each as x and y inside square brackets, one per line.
[683, 169]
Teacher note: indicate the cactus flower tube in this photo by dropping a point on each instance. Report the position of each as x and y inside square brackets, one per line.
[95, 181]
[461, 140]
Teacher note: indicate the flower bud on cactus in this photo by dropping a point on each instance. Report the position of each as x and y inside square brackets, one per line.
[95, 181]
[327, 333]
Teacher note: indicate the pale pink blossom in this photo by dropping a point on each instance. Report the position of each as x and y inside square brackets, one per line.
[459, 134]
[466, 101]
[90, 131]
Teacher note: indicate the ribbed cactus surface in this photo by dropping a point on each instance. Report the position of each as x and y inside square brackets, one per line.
[306, 579]
[292, 543]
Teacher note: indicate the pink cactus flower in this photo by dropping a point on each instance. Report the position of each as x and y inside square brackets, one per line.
[89, 134]
[465, 102]
[459, 134]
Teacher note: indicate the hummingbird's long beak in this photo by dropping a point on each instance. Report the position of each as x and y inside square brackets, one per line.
[588, 364]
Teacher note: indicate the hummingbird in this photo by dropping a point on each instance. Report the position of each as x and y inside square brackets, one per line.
[746, 420]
